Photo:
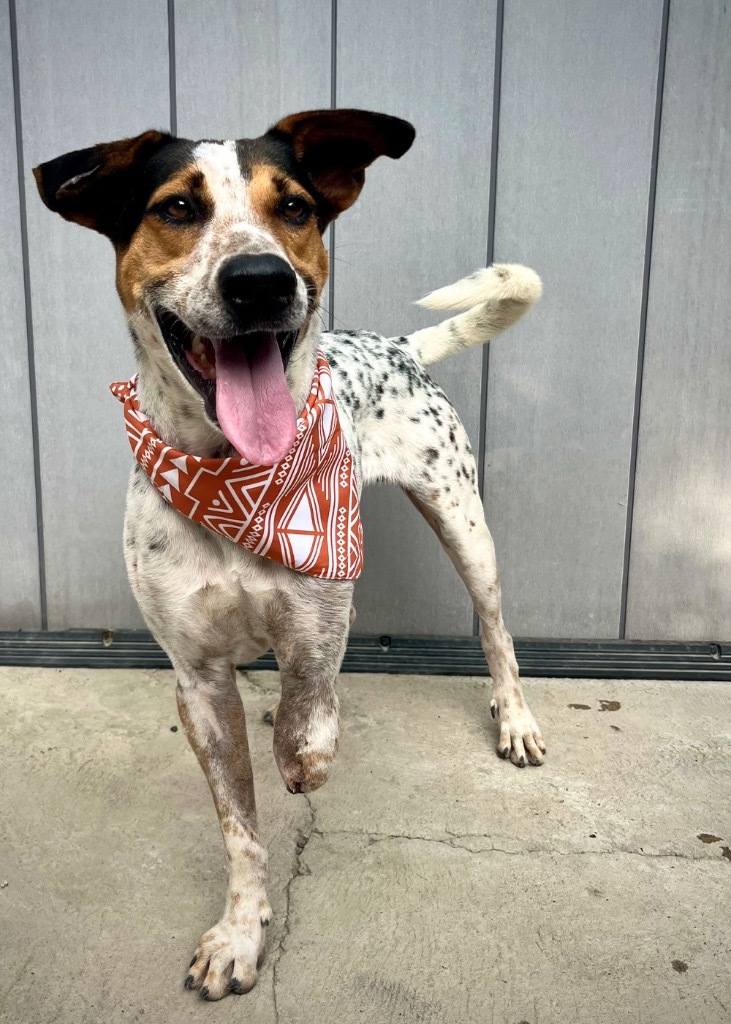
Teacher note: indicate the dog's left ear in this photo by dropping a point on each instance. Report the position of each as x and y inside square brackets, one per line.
[92, 186]
[336, 146]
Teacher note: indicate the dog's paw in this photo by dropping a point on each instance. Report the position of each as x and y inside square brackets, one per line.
[228, 955]
[520, 738]
[305, 744]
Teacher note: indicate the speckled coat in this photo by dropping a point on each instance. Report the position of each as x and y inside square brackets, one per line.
[177, 212]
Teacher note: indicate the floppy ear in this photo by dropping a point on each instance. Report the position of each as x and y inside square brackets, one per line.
[336, 146]
[92, 186]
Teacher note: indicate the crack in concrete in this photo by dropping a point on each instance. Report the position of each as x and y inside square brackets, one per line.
[453, 843]
[303, 838]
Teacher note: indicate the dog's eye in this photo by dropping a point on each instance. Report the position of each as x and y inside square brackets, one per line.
[296, 210]
[177, 209]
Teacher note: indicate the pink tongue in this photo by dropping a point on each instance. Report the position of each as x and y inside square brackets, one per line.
[253, 405]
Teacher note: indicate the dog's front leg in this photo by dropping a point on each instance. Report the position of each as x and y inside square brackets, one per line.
[213, 718]
[309, 631]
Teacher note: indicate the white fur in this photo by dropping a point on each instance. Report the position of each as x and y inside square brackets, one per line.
[498, 296]
[322, 735]
[219, 163]
[498, 282]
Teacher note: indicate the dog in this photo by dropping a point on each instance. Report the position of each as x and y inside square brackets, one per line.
[220, 266]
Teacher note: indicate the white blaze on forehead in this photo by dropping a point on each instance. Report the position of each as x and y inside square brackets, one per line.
[229, 189]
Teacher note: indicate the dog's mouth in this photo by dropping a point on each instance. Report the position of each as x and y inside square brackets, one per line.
[242, 382]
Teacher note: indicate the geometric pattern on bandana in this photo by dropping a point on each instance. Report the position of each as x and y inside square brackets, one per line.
[302, 512]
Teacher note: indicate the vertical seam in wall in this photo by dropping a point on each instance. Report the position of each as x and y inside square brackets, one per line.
[333, 103]
[490, 253]
[172, 69]
[643, 316]
[33, 398]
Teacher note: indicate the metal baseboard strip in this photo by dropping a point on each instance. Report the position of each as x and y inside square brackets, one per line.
[601, 659]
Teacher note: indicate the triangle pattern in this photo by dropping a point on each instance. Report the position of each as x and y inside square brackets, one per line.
[303, 512]
[173, 478]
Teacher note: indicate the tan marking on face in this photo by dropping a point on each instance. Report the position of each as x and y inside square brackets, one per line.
[158, 249]
[302, 242]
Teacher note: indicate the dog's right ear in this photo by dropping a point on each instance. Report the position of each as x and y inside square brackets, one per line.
[92, 186]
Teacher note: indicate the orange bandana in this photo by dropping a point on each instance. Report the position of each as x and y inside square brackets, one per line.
[302, 512]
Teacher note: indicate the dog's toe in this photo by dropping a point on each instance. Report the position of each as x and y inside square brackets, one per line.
[520, 738]
[228, 955]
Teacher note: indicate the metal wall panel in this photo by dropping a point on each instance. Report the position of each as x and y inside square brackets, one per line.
[680, 558]
[242, 66]
[574, 168]
[419, 224]
[90, 71]
[19, 584]
[576, 128]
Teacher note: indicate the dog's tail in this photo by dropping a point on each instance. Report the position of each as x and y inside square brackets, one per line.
[497, 297]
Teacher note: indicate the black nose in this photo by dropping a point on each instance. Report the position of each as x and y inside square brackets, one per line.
[257, 288]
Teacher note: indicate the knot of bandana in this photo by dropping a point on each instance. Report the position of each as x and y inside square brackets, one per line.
[302, 512]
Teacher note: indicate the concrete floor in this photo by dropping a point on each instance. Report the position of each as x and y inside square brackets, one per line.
[428, 881]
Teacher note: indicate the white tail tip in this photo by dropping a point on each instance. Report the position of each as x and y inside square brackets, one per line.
[497, 283]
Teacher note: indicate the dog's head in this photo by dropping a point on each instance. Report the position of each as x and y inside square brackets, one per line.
[220, 259]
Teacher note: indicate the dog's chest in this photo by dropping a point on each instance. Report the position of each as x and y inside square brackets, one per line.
[203, 596]
[197, 591]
